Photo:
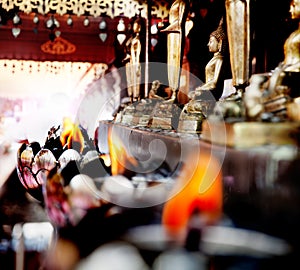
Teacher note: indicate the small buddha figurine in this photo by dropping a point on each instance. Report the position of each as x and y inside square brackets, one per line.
[153, 91]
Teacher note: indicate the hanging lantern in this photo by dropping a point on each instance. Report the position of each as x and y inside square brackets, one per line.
[121, 38]
[16, 31]
[102, 25]
[153, 42]
[154, 29]
[35, 19]
[86, 22]
[121, 26]
[16, 19]
[70, 21]
[103, 36]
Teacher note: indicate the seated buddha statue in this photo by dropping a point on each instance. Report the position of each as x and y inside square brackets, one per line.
[215, 72]
[291, 62]
[282, 86]
[292, 44]
[203, 98]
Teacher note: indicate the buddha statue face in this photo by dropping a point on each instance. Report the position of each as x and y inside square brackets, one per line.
[217, 39]
[295, 9]
[137, 26]
[213, 44]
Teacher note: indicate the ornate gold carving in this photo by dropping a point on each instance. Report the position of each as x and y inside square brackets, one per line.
[58, 46]
[96, 8]
[129, 8]
[160, 10]
[60, 7]
[27, 6]
[8, 5]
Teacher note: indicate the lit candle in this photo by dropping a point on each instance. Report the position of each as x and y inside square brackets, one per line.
[198, 188]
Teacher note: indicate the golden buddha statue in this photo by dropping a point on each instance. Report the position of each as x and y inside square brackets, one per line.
[291, 62]
[270, 103]
[154, 89]
[133, 65]
[238, 30]
[175, 42]
[203, 99]
[214, 69]
[292, 44]
[277, 94]
[177, 16]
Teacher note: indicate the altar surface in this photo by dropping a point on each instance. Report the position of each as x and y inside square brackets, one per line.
[243, 169]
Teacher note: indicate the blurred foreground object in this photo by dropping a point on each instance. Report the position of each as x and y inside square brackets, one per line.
[31, 237]
[197, 191]
[59, 173]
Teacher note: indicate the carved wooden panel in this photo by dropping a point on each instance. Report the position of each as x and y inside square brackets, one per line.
[96, 8]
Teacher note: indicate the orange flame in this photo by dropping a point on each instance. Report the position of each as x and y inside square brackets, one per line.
[106, 159]
[71, 135]
[199, 187]
[119, 156]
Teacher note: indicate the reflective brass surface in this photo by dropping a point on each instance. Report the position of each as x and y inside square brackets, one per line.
[238, 30]
[250, 134]
[175, 42]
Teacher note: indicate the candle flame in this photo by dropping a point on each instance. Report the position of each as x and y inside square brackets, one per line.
[120, 159]
[71, 135]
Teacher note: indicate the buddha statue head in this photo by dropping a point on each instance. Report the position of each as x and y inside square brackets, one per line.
[220, 35]
[295, 9]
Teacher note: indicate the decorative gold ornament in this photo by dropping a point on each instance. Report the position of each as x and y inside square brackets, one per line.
[95, 8]
[58, 46]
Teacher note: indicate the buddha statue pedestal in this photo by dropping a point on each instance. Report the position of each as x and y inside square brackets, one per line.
[250, 134]
[126, 116]
[164, 116]
[137, 114]
[192, 116]
[190, 124]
